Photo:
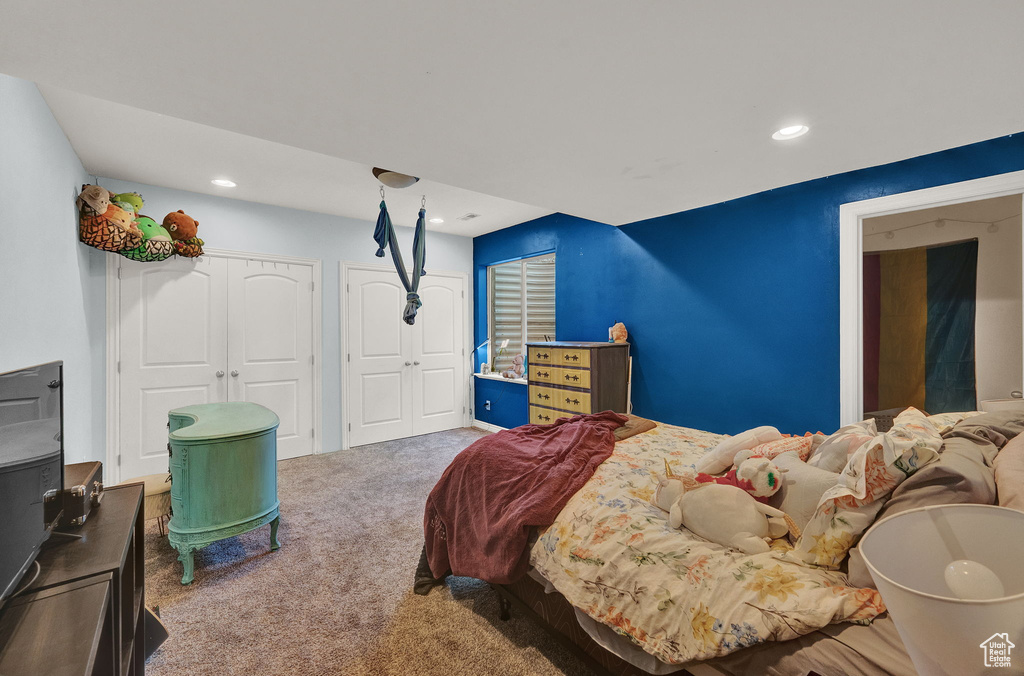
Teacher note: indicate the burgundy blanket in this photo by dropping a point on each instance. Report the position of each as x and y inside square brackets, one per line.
[478, 516]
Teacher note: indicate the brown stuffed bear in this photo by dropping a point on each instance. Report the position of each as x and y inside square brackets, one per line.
[181, 226]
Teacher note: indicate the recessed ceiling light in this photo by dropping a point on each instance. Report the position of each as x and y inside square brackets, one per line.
[223, 182]
[437, 220]
[787, 133]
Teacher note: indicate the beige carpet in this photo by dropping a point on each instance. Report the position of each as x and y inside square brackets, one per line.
[337, 597]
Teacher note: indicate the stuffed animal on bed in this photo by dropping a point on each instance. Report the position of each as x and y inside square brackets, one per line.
[758, 476]
[724, 512]
[722, 456]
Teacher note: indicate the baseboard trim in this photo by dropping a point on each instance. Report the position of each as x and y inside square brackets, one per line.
[486, 426]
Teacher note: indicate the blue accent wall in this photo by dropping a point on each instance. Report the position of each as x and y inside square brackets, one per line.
[508, 403]
[733, 308]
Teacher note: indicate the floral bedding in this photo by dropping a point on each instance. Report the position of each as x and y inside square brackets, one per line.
[611, 553]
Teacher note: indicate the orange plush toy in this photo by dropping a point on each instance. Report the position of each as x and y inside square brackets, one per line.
[182, 229]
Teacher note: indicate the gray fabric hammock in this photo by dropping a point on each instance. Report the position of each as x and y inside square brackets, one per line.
[384, 235]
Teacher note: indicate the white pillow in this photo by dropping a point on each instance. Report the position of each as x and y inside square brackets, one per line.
[802, 487]
[833, 453]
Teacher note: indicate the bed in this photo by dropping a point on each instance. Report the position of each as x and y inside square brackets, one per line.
[636, 596]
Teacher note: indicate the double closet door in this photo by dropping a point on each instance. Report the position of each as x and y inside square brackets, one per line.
[403, 380]
[206, 330]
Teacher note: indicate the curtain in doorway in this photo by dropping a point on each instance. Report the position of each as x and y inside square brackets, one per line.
[919, 310]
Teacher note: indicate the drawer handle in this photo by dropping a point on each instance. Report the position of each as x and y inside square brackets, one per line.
[169, 451]
[542, 374]
[545, 417]
[542, 356]
[541, 395]
[572, 401]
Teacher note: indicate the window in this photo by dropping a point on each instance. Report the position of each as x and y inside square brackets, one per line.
[521, 306]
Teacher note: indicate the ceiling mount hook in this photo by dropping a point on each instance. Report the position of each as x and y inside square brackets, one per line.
[382, 192]
[423, 202]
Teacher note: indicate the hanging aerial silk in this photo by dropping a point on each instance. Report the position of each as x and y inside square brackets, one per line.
[919, 313]
[384, 235]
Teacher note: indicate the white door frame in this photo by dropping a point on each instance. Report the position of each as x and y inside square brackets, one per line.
[851, 252]
[112, 469]
[467, 305]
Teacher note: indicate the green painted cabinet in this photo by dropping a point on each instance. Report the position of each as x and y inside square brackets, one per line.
[223, 461]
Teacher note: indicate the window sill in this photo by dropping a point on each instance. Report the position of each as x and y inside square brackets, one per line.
[498, 376]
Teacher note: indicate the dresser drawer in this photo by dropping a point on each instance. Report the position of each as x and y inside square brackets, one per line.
[545, 416]
[574, 357]
[542, 355]
[561, 376]
[566, 400]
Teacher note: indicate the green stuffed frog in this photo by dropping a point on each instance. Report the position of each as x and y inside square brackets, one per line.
[156, 242]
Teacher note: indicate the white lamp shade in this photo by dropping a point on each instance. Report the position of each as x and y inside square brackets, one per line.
[908, 554]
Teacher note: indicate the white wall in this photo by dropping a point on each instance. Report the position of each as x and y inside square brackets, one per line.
[260, 228]
[998, 325]
[51, 287]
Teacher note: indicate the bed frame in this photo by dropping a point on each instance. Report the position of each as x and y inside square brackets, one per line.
[556, 615]
[553, 613]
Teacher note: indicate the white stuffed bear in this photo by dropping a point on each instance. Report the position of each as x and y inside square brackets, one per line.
[721, 457]
[725, 513]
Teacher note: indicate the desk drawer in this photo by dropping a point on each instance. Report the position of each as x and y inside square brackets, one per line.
[542, 355]
[545, 416]
[570, 356]
[561, 376]
[566, 400]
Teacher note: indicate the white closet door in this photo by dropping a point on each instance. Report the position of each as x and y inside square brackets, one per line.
[379, 360]
[439, 398]
[270, 346]
[172, 346]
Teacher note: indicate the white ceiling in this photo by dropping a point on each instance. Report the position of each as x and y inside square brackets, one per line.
[609, 110]
[118, 141]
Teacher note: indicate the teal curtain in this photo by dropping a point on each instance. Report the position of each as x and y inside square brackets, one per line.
[949, 343]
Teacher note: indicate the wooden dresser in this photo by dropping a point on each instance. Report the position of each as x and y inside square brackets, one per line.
[571, 378]
[223, 460]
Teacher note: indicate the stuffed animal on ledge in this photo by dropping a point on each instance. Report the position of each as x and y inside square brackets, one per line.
[517, 369]
[183, 229]
[156, 242]
[102, 224]
[724, 512]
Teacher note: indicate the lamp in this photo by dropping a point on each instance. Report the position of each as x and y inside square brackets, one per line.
[393, 179]
[952, 579]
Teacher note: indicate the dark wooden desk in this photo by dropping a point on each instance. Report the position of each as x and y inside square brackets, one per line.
[111, 553]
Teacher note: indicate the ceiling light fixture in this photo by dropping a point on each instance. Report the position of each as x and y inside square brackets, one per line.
[437, 220]
[393, 179]
[794, 131]
[223, 183]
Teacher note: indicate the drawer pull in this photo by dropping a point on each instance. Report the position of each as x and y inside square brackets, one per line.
[572, 401]
[544, 355]
[573, 378]
[573, 357]
[170, 453]
[541, 395]
[544, 417]
[543, 374]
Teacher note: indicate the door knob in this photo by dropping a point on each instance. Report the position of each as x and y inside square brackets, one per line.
[415, 363]
[234, 373]
[220, 374]
[408, 363]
